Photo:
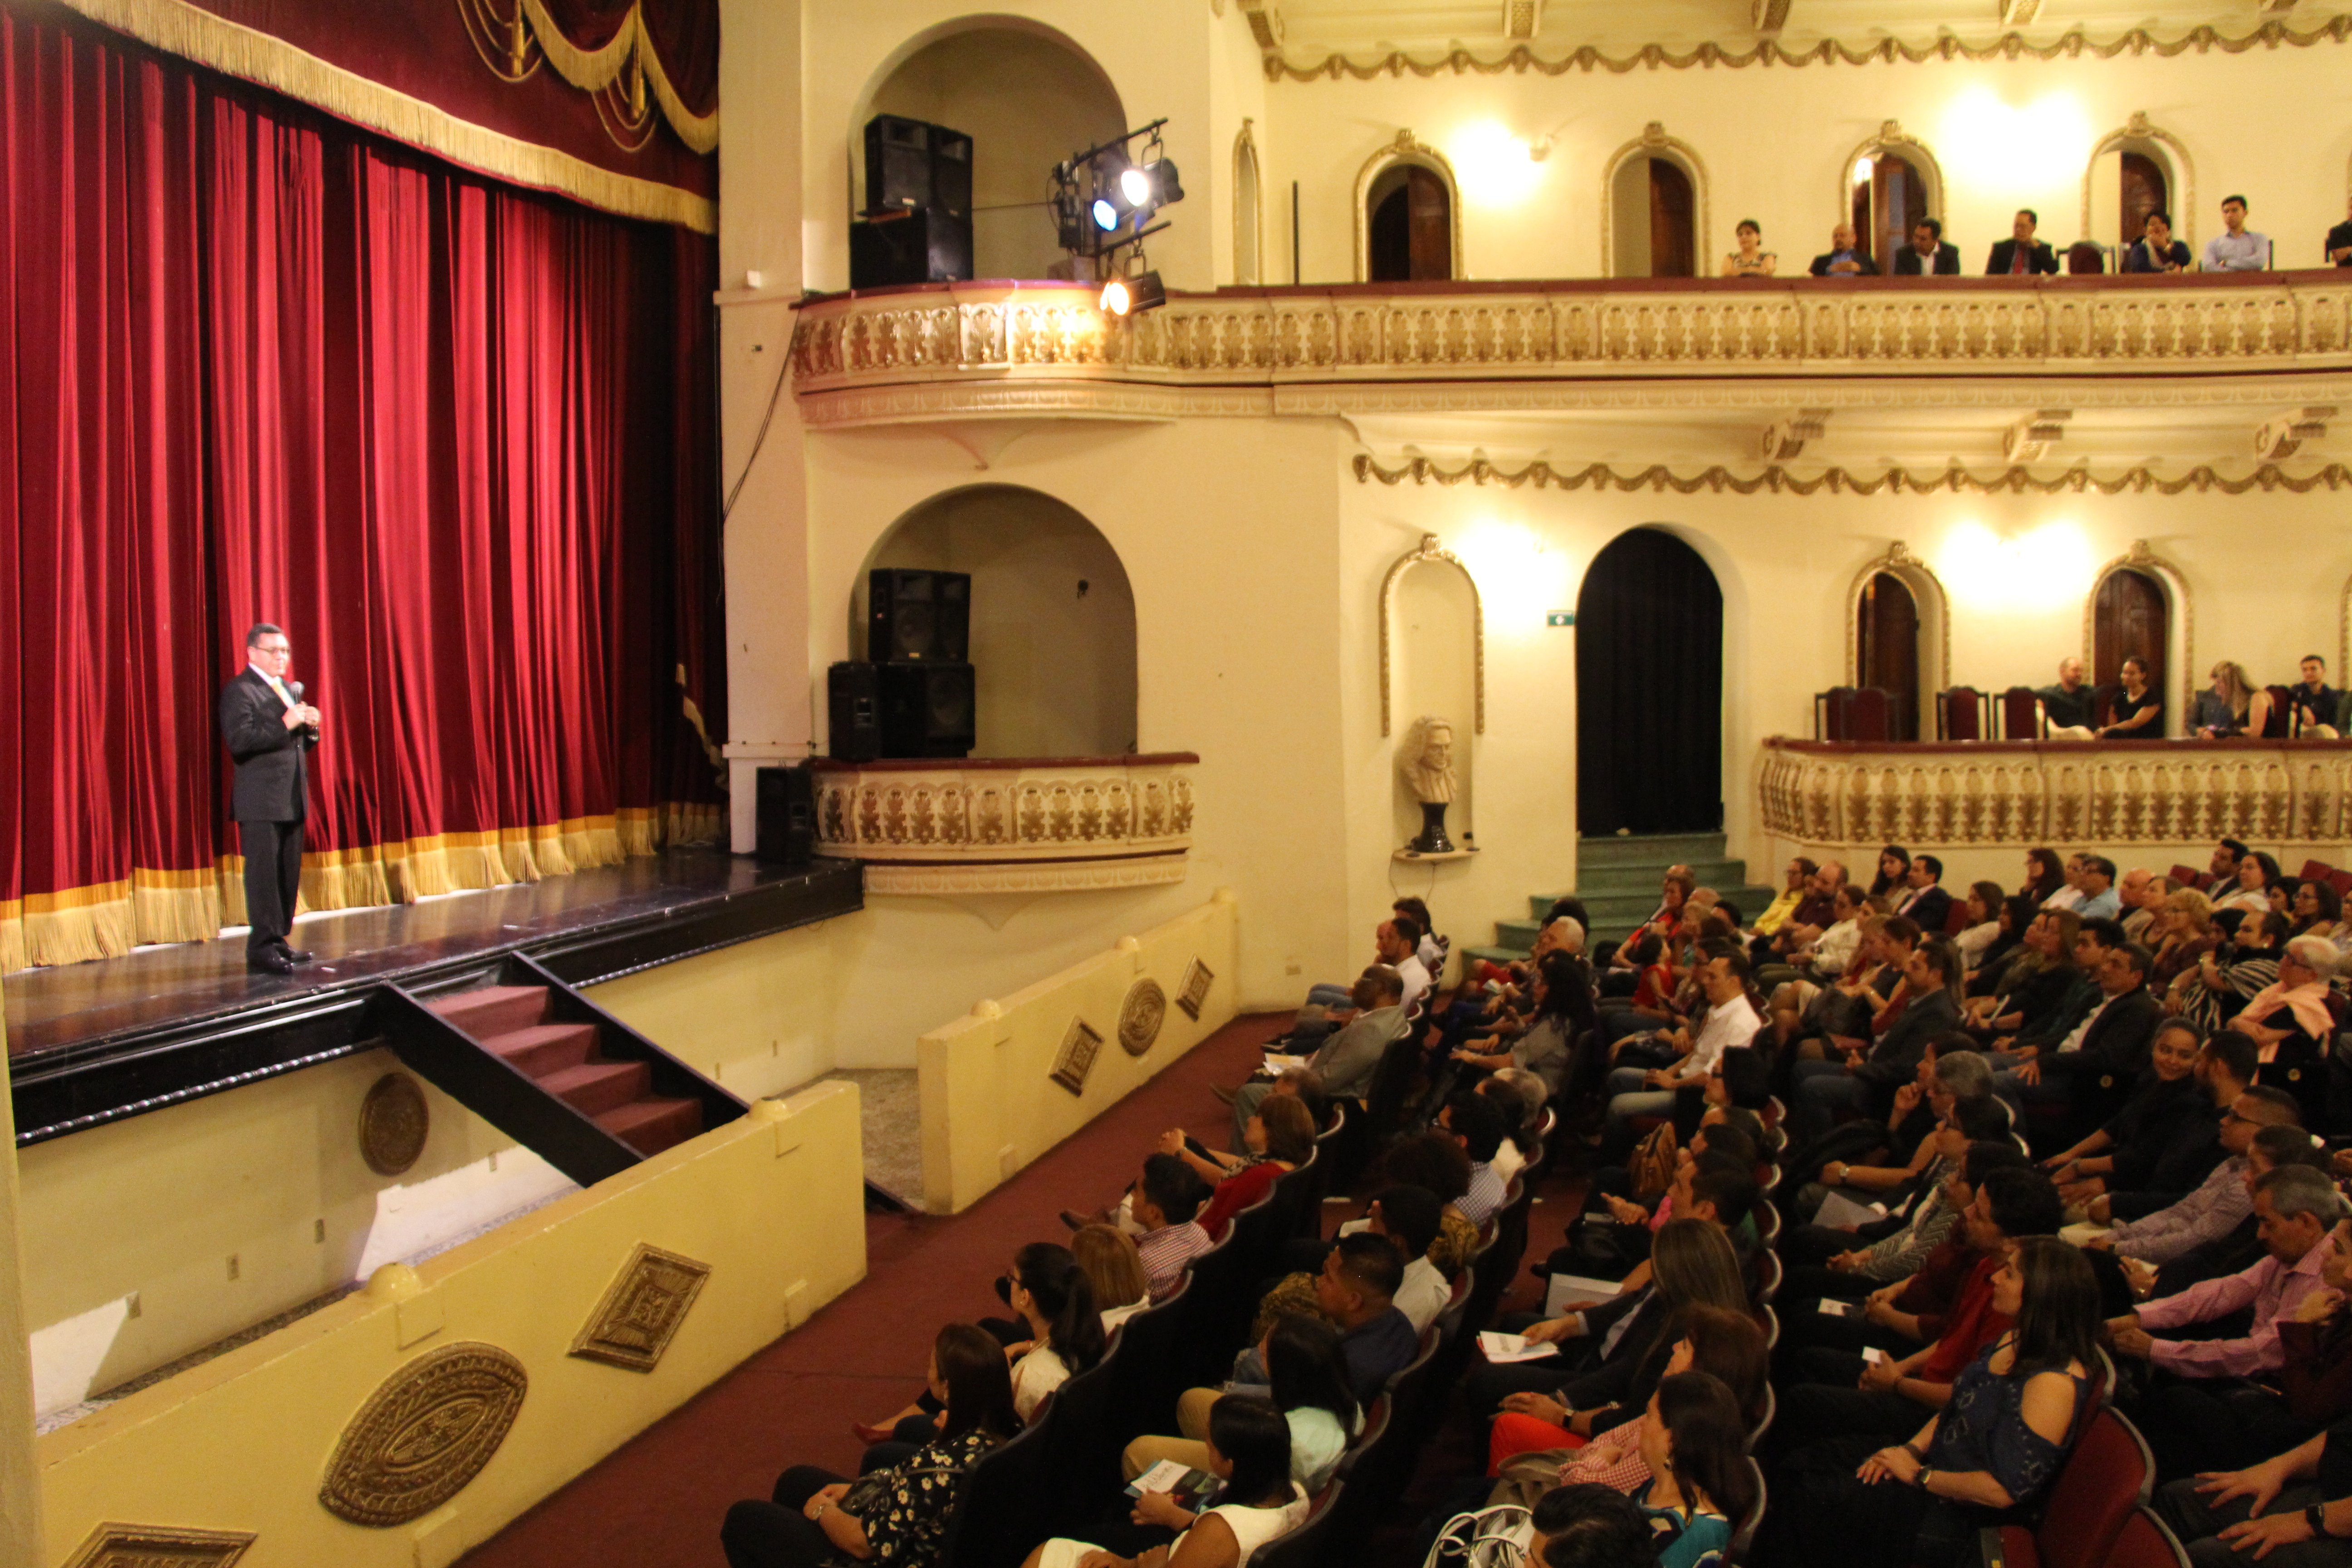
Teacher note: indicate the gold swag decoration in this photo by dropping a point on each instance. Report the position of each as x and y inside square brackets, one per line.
[1719, 479]
[621, 76]
[2076, 44]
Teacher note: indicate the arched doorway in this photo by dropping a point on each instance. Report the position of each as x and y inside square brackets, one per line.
[1246, 208]
[1052, 617]
[1410, 217]
[2144, 189]
[2131, 617]
[1890, 197]
[1888, 624]
[1656, 210]
[1649, 689]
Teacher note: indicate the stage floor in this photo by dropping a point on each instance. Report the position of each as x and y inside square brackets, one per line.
[158, 1003]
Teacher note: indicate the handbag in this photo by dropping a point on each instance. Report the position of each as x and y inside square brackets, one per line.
[1651, 1167]
[1495, 1537]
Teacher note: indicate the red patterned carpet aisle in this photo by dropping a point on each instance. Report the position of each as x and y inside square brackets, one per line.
[658, 1502]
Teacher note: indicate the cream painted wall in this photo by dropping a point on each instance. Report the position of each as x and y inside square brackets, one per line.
[1776, 146]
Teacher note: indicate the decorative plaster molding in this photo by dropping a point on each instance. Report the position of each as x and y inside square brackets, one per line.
[1245, 152]
[1140, 1015]
[159, 1546]
[2075, 44]
[1651, 142]
[1767, 18]
[1407, 149]
[1784, 439]
[1194, 989]
[1075, 1058]
[1428, 550]
[425, 1433]
[1916, 575]
[1042, 811]
[2139, 558]
[885, 878]
[2138, 128]
[1971, 793]
[2030, 439]
[2280, 437]
[1522, 18]
[641, 1310]
[1775, 479]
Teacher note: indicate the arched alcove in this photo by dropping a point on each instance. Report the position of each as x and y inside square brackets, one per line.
[1649, 688]
[1886, 187]
[1432, 664]
[2139, 604]
[1027, 96]
[1053, 618]
[1654, 209]
[1249, 211]
[2122, 178]
[1873, 601]
[1415, 185]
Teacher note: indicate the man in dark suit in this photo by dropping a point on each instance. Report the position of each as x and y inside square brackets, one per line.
[1845, 258]
[268, 728]
[1927, 254]
[1927, 903]
[2022, 253]
[2095, 1067]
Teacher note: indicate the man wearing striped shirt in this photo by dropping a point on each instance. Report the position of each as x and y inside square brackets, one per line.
[1166, 1198]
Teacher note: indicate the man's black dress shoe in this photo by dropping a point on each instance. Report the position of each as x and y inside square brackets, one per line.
[296, 955]
[269, 962]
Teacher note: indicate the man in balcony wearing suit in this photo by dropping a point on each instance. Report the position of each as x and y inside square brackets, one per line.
[269, 729]
[1844, 258]
[1927, 254]
[2022, 253]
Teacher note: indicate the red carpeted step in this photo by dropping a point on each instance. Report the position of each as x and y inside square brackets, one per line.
[543, 1049]
[493, 1009]
[650, 1126]
[593, 1087]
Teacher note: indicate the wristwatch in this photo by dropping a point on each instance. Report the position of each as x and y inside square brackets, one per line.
[2315, 1516]
[1921, 1480]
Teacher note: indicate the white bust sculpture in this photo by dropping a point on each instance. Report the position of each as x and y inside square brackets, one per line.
[1427, 759]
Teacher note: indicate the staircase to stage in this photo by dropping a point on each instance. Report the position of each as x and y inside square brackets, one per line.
[1618, 877]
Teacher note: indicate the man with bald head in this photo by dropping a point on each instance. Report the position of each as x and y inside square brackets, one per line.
[1845, 257]
[2070, 708]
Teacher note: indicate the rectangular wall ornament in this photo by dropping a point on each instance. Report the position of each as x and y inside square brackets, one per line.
[1195, 989]
[155, 1546]
[640, 1314]
[1076, 1057]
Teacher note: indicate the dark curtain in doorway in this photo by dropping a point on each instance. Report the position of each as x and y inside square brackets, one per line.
[1649, 689]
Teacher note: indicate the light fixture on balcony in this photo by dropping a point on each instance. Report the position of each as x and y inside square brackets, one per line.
[1133, 296]
[1105, 199]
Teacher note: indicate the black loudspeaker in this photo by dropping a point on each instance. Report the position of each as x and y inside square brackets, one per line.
[913, 163]
[854, 706]
[920, 245]
[918, 615]
[787, 817]
[928, 710]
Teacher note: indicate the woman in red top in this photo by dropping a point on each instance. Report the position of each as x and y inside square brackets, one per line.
[1280, 1137]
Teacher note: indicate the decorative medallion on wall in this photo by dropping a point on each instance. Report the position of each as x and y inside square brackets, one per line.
[1140, 1016]
[394, 1123]
[155, 1546]
[634, 1323]
[1195, 989]
[423, 1435]
[1076, 1057]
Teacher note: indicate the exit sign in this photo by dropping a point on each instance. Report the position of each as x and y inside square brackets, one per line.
[1559, 617]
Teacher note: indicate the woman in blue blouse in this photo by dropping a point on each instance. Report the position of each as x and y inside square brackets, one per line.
[896, 1516]
[1992, 1450]
[2156, 251]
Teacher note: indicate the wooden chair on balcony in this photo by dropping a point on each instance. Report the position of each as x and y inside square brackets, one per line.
[1963, 714]
[2020, 714]
[2085, 257]
[2276, 724]
[2102, 701]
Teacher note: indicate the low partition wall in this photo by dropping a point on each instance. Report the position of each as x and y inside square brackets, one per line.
[2000, 797]
[409, 1422]
[1014, 1078]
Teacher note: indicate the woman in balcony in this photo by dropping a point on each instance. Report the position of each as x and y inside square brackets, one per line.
[2138, 712]
[1751, 259]
[2233, 705]
[2156, 251]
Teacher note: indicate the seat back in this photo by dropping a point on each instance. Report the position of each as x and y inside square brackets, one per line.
[1144, 1374]
[1392, 1084]
[999, 1511]
[2145, 1541]
[1771, 1327]
[2085, 255]
[1079, 1468]
[1963, 714]
[1768, 1274]
[1387, 1463]
[1499, 1265]
[1297, 1201]
[2108, 1475]
[1743, 1535]
[2020, 714]
[1771, 1404]
[2275, 726]
[1304, 1544]
[1217, 1307]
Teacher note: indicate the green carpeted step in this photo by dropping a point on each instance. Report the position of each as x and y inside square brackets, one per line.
[1497, 954]
[1660, 850]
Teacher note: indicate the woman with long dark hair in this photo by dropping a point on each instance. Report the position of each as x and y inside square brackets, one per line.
[1695, 1444]
[1995, 1447]
[897, 1514]
[1057, 1300]
[2045, 875]
[1984, 937]
[1894, 865]
[1248, 1450]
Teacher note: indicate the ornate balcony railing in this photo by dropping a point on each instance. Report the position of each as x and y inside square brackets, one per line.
[1010, 825]
[2022, 794]
[1045, 347]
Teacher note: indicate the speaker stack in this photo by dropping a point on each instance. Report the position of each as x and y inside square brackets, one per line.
[912, 695]
[916, 225]
[786, 817]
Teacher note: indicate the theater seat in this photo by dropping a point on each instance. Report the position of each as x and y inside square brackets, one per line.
[2107, 1477]
[2145, 1542]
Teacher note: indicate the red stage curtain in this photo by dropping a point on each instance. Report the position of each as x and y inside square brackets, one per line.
[455, 435]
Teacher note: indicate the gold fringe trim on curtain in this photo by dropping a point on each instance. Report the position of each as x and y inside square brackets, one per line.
[592, 70]
[12, 935]
[78, 923]
[179, 28]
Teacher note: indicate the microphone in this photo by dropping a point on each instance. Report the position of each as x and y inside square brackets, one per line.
[295, 688]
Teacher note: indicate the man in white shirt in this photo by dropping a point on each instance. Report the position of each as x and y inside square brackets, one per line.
[2240, 248]
[2097, 881]
[1731, 1024]
[1410, 1217]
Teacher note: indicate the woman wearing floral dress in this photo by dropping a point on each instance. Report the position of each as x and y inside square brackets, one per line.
[894, 1517]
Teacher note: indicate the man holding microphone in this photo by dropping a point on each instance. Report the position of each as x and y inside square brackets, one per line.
[268, 728]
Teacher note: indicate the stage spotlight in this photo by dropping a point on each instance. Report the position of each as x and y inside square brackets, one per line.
[1105, 199]
[1135, 186]
[1133, 296]
[1106, 214]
